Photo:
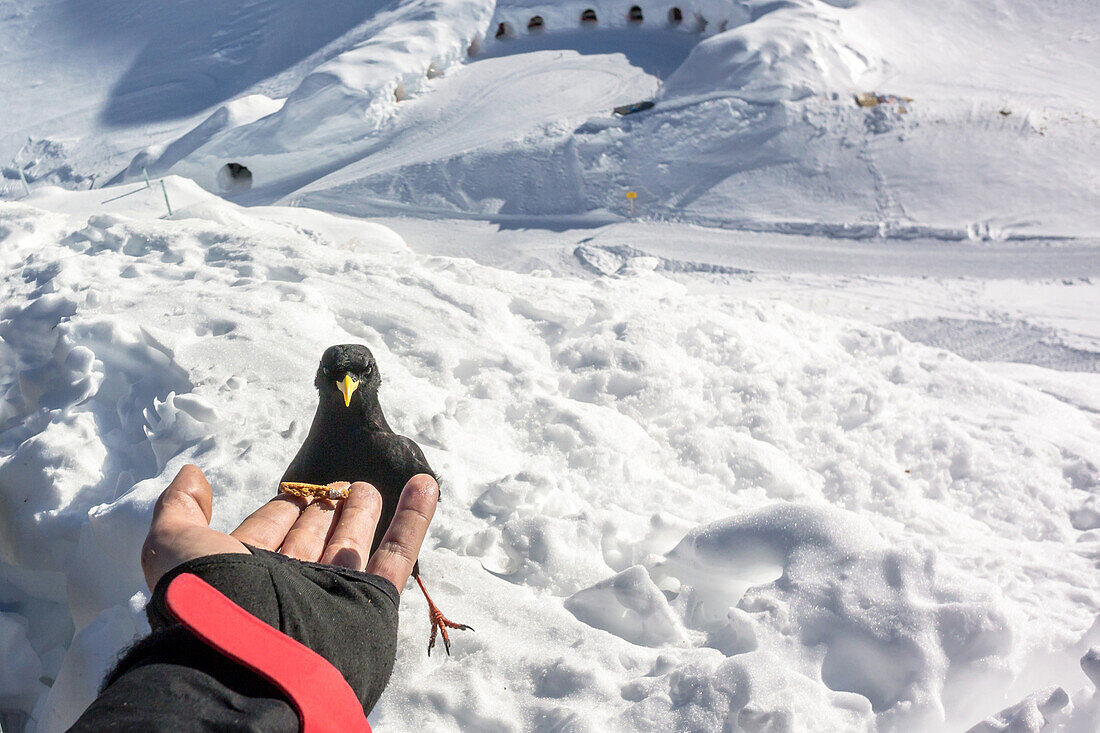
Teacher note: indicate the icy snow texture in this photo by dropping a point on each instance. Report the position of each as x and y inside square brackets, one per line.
[738, 515]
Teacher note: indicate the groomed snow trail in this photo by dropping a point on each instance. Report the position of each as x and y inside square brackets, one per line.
[665, 508]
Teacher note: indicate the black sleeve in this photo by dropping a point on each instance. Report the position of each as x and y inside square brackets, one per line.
[171, 681]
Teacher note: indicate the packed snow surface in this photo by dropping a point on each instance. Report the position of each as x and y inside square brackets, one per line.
[804, 436]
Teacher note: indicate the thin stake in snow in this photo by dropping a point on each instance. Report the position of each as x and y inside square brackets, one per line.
[164, 190]
[23, 178]
[630, 196]
[146, 174]
[121, 196]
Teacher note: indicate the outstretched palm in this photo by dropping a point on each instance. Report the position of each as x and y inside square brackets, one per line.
[337, 533]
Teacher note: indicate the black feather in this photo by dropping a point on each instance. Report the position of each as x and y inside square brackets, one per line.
[355, 443]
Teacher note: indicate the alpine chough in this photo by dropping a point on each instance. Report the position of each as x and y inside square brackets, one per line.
[350, 440]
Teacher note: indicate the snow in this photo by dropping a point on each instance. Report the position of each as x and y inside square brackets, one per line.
[888, 570]
[629, 606]
[809, 442]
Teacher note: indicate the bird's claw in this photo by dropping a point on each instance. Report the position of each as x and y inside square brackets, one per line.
[440, 624]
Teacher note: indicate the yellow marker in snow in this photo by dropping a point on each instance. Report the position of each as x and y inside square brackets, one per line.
[631, 195]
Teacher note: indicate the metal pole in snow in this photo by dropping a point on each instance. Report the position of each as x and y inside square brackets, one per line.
[146, 174]
[23, 178]
[165, 192]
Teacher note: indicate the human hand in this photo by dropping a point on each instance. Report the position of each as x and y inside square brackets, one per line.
[337, 533]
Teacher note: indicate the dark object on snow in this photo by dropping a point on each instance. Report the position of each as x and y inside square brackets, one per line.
[588, 16]
[504, 30]
[535, 24]
[234, 178]
[635, 14]
[170, 681]
[675, 16]
[874, 99]
[350, 440]
[629, 109]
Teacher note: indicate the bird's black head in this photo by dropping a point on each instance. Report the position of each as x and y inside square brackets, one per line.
[347, 370]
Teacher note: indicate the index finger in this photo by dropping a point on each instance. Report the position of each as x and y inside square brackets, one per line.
[267, 527]
[396, 555]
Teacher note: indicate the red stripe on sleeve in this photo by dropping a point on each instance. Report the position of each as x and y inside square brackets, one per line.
[322, 697]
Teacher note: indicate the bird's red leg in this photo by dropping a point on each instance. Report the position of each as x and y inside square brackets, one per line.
[440, 622]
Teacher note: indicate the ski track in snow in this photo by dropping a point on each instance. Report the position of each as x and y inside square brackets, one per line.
[737, 514]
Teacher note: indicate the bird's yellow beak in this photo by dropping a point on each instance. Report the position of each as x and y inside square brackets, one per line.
[347, 388]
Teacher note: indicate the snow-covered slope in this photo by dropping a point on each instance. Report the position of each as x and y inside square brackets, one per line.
[993, 132]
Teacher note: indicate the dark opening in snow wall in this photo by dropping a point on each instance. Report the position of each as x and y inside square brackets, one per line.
[705, 17]
[656, 37]
[234, 178]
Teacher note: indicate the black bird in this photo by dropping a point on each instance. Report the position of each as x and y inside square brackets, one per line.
[350, 440]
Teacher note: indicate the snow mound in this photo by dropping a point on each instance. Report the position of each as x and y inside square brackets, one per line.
[783, 55]
[1032, 714]
[1052, 709]
[159, 158]
[885, 623]
[630, 606]
[344, 98]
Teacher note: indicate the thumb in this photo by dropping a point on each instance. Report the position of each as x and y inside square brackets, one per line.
[180, 529]
[188, 500]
